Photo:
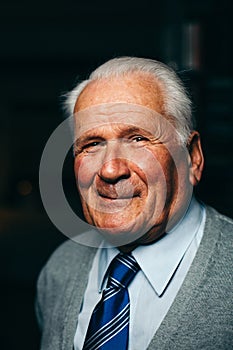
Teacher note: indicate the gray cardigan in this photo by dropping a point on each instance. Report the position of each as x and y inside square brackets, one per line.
[199, 318]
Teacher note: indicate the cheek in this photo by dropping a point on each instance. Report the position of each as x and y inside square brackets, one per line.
[161, 173]
[151, 167]
[85, 171]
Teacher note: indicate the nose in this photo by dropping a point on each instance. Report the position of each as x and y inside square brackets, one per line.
[114, 170]
[114, 167]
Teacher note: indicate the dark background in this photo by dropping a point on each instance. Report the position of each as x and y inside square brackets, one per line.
[45, 46]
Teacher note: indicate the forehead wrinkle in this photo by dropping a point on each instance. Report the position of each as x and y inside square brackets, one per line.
[100, 133]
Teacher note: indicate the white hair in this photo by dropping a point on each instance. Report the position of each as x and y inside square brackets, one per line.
[177, 104]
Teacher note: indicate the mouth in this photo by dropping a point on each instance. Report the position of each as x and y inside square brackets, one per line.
[117, 193]
[117, 197]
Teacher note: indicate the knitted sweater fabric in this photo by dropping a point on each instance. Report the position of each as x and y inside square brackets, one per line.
[199, 318]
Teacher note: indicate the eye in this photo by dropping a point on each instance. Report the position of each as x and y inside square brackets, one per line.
[90, 145]
[86, 147]
[139, 139]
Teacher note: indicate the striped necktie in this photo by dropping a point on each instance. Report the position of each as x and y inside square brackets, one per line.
[109, 324]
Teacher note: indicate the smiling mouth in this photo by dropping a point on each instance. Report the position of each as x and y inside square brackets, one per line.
[113, 197]
[117, 192]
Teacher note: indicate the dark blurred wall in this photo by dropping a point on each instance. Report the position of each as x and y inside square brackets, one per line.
[44, 47]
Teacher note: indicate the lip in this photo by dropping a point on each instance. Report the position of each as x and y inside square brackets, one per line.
[113, 193]
[122, 190]
[114, 198]
[112, 205]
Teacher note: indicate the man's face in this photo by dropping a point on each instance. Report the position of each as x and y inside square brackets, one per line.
[132, 174]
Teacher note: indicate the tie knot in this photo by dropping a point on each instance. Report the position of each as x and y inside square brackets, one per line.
[122, 270]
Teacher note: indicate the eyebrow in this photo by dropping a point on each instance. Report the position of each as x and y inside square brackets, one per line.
[133, 129]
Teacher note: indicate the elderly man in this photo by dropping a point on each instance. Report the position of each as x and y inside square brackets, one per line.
[161, 277]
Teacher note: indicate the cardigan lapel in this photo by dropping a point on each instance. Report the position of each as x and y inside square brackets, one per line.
[86, 256]
[189, 290]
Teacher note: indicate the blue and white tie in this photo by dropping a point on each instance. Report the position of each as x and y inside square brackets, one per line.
[109, 324]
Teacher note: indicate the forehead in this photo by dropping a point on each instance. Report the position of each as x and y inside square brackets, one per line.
[134, 88]
[120, 117]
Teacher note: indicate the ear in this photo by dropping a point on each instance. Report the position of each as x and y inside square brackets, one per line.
[196, 158]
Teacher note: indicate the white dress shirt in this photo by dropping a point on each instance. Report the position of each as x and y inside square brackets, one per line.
[164, 266]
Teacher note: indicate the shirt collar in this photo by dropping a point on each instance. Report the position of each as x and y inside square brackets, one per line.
[160, 260]
[106, 255]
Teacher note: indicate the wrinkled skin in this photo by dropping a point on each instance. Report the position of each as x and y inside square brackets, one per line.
[134, 177]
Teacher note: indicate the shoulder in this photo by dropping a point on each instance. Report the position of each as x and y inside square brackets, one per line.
[216, 244]
[68, 258]
[70, 262]
[214, 254]
[218, 223]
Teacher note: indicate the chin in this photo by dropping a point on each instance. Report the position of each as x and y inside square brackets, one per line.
[120, 233]
[118, 238]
